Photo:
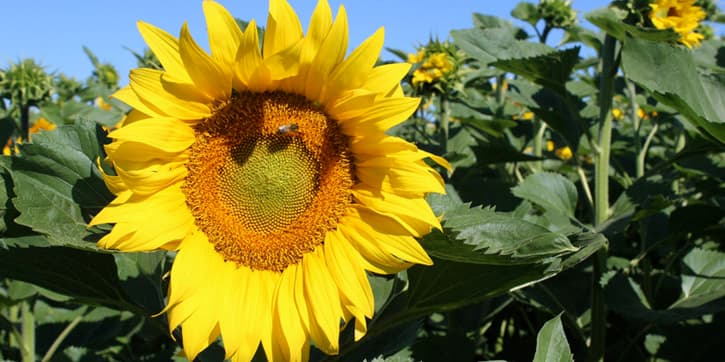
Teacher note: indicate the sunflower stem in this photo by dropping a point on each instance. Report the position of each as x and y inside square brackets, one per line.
[538, 142]
[636, 124]
[25, 122]
[444, 118]
[601, 195]
[61, 337]
[27, 332]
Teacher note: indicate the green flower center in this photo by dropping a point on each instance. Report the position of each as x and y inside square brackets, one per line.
[268, 183]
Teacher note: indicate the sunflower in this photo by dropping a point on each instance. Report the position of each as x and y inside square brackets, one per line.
[683, 16]
[270, 173]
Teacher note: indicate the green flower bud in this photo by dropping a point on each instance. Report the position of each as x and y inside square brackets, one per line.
[557, 13]
[25, 84]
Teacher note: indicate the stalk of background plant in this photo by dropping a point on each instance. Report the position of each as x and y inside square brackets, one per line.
[444, 118]
[601, 195]
[27, 332]
[540, 128]
[636, 125]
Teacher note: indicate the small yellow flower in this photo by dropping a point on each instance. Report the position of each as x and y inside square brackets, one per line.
[40, 124]
[564, 153]
[617, 114]
[549, 146]
[527, 116]
[434, 68]
[416, 58]
[528, 150]
[100, 103]
[642, 114]
[683, 16]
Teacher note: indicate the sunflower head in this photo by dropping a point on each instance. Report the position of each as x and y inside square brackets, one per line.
[683, 16]
[268, 169]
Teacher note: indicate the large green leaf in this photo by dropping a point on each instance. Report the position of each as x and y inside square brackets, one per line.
[706, 281]
[494, 44]
[670, 74]
[58, 186]
[551, 343]
[549, 190]
[550, 69]
[483, 236]
[611, 21]
[625, 297]
[85, 276]
[140, 275]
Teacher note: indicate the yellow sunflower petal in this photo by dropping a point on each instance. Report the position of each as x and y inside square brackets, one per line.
[388, 235]
[320, 24]
[331, 52]
[324, 301]
[287, 317]
[354, 70]
[212, 79]
[166, 47]
[409, 179]
[246, 316]
[248, 58]
[146, 181]
[224, 33]
[166, 134]
[385, 78]
[128, 96]
[150, 90]
[385, 114]
[283, 28]
[345, 267]
[157, 220]
[376, 260]
[412, 214]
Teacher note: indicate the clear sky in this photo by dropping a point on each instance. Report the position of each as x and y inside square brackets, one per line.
[53, 32]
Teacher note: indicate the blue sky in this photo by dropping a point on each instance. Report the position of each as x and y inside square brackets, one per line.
[53, 32]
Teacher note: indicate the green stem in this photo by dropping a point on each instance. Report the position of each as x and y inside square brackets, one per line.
[500, 89]
[444, 116]
[58, 340]
[25, 122]
[538, 142]
[636, 125]
[28, 332]
[601, 196]
[585, 186]
[642, 154]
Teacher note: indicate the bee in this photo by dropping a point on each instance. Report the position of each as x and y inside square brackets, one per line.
[288, 129]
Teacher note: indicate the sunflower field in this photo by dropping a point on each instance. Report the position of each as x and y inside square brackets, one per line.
[530, 188]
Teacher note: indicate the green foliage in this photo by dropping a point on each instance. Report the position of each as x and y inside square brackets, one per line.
[58, 185]
[696, 94]
[551, 344]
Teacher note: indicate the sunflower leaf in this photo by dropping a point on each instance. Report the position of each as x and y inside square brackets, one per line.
[58, 185]
[483, 236]
[494, 44]
[549, 190]
[706, 282]
[85, 276]
[698, 96]
[551, 343]
[610, 20]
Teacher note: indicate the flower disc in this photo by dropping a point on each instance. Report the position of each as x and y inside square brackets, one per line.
[269, 174]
